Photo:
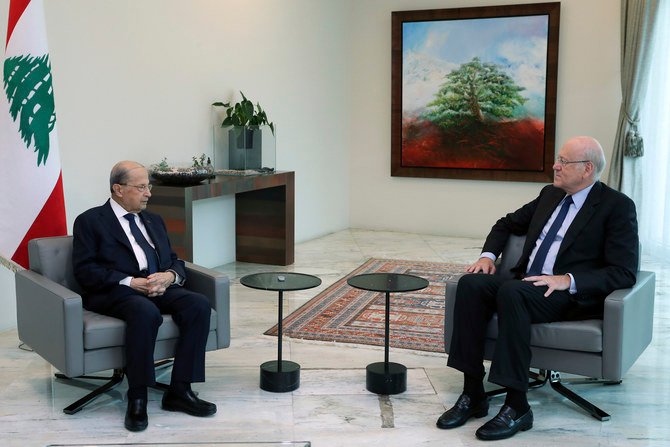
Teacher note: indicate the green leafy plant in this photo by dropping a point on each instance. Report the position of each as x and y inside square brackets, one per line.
[244, 114]
[199, 162]
[162, 166]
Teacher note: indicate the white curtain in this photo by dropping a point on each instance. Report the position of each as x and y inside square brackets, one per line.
[647, 179]
[638, 24]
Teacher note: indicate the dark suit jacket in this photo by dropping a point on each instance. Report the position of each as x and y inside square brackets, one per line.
[600, 248]
[102, 255]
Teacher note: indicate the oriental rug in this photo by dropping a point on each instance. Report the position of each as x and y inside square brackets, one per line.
[344, 314]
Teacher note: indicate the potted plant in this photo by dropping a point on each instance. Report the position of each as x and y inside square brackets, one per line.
[245, 136]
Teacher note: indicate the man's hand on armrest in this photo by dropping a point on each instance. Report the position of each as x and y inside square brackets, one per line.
[482, 265]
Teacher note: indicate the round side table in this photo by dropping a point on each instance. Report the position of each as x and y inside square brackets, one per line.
[387, 377]
[280, 375]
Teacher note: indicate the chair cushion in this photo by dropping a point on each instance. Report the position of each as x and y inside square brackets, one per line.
[584, 335]
[52, 257]
[101, 331]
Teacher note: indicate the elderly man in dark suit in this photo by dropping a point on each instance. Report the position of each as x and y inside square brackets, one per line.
[581, 244]
[123, 260]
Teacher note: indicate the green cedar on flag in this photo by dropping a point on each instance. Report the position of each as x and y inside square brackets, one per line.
[31, 184]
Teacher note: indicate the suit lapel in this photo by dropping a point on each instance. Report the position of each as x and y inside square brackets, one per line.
[582, 218]
[542, 214]
[110, 220]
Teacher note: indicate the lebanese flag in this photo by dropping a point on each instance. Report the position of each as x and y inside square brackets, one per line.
[31, 188]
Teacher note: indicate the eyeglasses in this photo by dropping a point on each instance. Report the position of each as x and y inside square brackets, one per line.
[140, 188]
[563, 162]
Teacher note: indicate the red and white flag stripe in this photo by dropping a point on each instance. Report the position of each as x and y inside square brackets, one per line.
[31, 188]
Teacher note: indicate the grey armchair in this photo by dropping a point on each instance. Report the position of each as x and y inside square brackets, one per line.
[77, 342]
[600, 350]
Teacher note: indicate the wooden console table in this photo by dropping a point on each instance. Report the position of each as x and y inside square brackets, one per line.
[264, 214]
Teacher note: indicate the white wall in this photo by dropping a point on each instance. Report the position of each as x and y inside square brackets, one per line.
[133, 79]
[7, 299]
[588, 104]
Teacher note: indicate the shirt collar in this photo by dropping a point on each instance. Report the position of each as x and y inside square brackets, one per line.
[119, 211]
[579, 197]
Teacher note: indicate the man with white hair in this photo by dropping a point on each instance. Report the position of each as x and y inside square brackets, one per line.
[123, 260]
[581, 244]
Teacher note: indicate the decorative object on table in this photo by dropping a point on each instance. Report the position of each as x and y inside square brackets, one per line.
[248, 142]
[342, 314]
[200, 170]
[244, 171]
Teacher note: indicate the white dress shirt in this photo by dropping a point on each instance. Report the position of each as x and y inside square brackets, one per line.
[141, 257]
[120, 212]
[578, 200]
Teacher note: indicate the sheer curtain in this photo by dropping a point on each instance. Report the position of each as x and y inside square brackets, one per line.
[648, 178]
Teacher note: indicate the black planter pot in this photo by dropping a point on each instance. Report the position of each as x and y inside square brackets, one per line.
[244, 145]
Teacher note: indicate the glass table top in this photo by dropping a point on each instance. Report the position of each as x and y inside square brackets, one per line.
[388, 282]
[280, 281]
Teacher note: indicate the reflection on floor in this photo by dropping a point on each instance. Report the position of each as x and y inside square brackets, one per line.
[332, 407]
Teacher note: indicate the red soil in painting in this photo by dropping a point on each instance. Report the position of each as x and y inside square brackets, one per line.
[511, 145]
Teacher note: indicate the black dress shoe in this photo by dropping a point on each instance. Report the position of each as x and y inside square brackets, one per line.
[463, 410]
[136, 415]
[187, 403]
[505, 424]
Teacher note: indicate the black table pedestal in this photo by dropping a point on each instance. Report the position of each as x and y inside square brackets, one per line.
[280, 380]
[386, 378]
[280, 376]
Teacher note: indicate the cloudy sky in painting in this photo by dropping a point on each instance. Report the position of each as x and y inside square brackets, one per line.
[432, 49]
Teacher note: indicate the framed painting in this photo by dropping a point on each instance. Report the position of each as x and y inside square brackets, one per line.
[474, 92]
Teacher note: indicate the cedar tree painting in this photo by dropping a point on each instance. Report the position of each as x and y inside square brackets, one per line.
[476, 98]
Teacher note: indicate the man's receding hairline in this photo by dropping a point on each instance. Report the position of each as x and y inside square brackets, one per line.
[121, 171]
[127, 166]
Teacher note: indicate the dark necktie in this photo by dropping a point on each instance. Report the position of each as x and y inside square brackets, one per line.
[541, 255]
[152, 257]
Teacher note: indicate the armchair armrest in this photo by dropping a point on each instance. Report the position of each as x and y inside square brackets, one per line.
[215, 286]
[628, 321]
[50, 320]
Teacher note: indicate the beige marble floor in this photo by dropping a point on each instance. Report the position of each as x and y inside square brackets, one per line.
[332, 407]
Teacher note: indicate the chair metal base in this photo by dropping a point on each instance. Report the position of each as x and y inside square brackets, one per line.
[558, 385]
[538, 379]
[111, 382]
[162, 364]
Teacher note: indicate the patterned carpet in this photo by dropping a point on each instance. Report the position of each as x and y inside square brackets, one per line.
[347, 315]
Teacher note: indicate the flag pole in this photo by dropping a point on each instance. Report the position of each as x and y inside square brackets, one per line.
[10, 265]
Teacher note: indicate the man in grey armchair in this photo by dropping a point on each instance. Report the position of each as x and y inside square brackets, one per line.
[581, 244]
[124, 262]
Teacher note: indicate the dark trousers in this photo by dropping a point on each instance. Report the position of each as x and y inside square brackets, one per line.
[190, 311]
[518, 305]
